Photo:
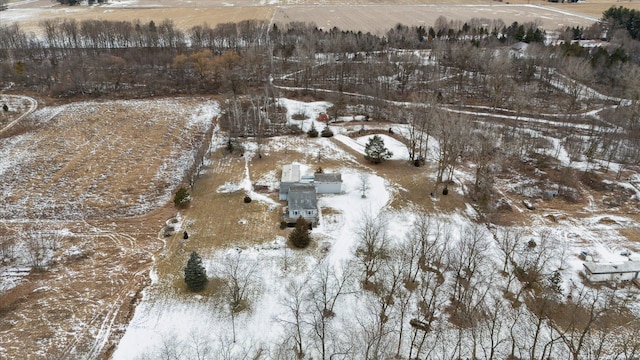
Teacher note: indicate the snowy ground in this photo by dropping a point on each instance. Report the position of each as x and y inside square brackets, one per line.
[195, 325]
[170, 323]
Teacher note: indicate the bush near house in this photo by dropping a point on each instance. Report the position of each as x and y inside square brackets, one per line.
[313, 132]
[326, 132]
[299, 237]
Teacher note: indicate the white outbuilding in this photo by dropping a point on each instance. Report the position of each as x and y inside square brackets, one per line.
[602, 272]
[290, 176]
[328, 183]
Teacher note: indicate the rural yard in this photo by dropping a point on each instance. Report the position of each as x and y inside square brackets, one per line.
[508, 177]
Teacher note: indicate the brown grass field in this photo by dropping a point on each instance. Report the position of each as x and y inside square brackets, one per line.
[367, 16]
[82, 168]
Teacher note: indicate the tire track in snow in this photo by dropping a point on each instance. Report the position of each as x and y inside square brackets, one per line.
[33, 105]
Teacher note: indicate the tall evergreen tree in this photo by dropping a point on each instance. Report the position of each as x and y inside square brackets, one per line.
[299, 237]
[375, 151]
[195, 274]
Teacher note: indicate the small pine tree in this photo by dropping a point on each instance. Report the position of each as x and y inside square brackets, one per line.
[313, 132]
[375, 151]
[195, 274]
[299, 237]
[182, 197]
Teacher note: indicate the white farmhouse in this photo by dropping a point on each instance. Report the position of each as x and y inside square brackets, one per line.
[301, 191]
[324, 183]
[302, 202]
[601, 272]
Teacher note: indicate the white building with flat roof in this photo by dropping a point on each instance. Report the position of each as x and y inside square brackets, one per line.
[601, 272]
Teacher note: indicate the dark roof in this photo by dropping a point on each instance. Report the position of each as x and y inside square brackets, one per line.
[327, 178]
[302, 197]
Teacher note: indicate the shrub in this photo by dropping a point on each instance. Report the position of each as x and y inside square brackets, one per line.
[247, 199]
[299, 116]
[326, 132]
[283, 224]
[182, 197]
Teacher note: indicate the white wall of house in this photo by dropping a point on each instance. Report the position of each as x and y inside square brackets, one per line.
[598, 277]
[307, 214]
[612, 277]
[328, 188]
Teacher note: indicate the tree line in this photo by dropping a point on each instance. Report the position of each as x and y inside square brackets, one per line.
[118, 58]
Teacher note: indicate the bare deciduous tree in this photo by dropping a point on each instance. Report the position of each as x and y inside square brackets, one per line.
[452, 134]
[327, 285]
[373, 244]
[238, 279]
[364, 184]
[294, 302]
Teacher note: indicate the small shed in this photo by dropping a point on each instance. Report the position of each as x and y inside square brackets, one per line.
[328, 183]
[302, 202]
[323, 117]
[601, 272]
[290, 176]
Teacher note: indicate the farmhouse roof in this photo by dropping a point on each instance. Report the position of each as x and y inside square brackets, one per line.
[291, 173]
[327, 178]
[609, 268]
[302, 197]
